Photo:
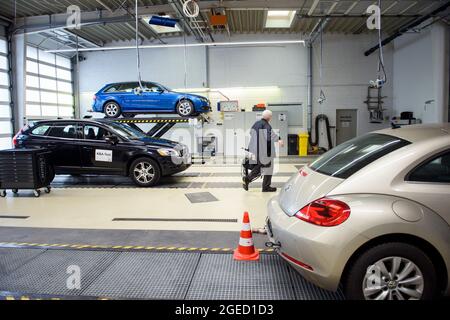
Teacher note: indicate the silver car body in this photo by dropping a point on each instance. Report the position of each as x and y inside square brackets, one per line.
[382, 203]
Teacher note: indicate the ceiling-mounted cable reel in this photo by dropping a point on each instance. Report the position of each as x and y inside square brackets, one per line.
[191, 8]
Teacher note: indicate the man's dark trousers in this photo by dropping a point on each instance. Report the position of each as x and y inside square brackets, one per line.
[267, 179]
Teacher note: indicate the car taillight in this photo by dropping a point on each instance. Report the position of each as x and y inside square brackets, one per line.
[324, 212]
[14, 140]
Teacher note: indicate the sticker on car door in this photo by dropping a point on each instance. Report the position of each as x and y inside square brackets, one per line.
[103, 155]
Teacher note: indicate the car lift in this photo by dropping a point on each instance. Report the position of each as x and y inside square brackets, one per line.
[163, 125]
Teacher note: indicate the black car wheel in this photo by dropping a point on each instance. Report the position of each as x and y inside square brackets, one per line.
[145, 172]
[391, 271]
[112, 109]
[185, 108]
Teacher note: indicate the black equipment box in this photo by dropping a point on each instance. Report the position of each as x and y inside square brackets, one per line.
[293, 145]
[25, 169]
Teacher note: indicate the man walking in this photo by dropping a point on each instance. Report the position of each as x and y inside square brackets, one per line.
[262, 148]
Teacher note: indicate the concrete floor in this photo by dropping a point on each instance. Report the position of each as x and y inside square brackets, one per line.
[82, 203]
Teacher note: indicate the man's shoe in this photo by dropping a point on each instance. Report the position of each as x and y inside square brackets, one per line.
[245, 183]
[269, 189]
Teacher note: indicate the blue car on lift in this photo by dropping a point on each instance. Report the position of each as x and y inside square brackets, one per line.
[129, 99]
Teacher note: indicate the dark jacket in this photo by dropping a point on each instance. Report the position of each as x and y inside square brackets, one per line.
[262, 142]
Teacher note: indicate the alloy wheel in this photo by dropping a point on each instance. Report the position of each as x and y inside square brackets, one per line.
[111, 109]
[393, 278]
[144, 172]
[185, 108]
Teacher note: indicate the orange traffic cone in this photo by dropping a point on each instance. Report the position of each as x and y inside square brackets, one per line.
[246, 249]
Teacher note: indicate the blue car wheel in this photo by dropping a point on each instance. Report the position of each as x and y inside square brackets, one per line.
[112, 109]
[185, 108]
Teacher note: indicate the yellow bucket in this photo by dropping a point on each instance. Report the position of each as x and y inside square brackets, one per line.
[303, 144]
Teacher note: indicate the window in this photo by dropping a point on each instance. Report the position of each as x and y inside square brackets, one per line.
[113, 88]
[41, 130]
[280, 18]
[6, 129]
[151, 87]
[95, 133]
[68, 131]
[49, 91]
[353, 155]
[128, 87]
[436, 170]
[122, 87]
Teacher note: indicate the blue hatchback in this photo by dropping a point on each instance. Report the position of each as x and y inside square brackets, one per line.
[129, 99]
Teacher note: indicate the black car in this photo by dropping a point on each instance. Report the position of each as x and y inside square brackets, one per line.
[105, 147]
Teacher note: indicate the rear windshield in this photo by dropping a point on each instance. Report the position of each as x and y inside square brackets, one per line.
[353, 155]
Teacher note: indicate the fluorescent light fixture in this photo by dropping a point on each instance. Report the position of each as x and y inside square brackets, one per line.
[278, 13]
[203, 44]
[162, 29]
[224, 89]
[280, 18]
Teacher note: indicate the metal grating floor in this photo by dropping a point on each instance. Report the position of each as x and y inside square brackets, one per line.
[142, 275]
[154, 275]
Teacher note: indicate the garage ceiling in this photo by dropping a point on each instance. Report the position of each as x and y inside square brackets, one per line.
[115, 20]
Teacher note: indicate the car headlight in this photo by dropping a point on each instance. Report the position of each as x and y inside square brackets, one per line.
[166, 152]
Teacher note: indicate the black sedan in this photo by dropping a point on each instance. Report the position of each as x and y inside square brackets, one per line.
[105, 147]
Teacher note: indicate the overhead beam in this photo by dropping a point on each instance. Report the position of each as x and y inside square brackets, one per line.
[313, 7]
[407, 27]
[104, 5]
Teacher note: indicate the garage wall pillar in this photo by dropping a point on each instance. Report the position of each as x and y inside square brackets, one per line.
[18, 64]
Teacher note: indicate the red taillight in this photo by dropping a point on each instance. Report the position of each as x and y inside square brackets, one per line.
[14, 140]
[324, 212]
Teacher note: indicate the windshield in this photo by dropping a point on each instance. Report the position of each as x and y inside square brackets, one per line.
[353, 155]
[126, 131]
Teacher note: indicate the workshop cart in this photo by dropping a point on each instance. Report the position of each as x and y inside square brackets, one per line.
[28, 169]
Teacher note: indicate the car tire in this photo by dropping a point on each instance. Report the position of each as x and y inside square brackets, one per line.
[112, 109]
[366, 272]
[185, 108]
[145, 172]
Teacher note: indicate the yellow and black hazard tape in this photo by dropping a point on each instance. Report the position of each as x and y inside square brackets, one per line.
[119, 247]
[162, 120]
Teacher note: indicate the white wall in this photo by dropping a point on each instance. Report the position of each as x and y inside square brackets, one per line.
[421, 73]
[261, 74]
[346, 75]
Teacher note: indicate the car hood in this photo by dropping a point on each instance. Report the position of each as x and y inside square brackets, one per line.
[189, 95]
[159, 142]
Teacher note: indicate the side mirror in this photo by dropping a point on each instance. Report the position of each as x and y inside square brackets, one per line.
[160, 90]
[112, 139]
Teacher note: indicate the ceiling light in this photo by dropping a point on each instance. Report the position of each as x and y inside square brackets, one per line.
[277, 13]
[280, 18]
[202, 44]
